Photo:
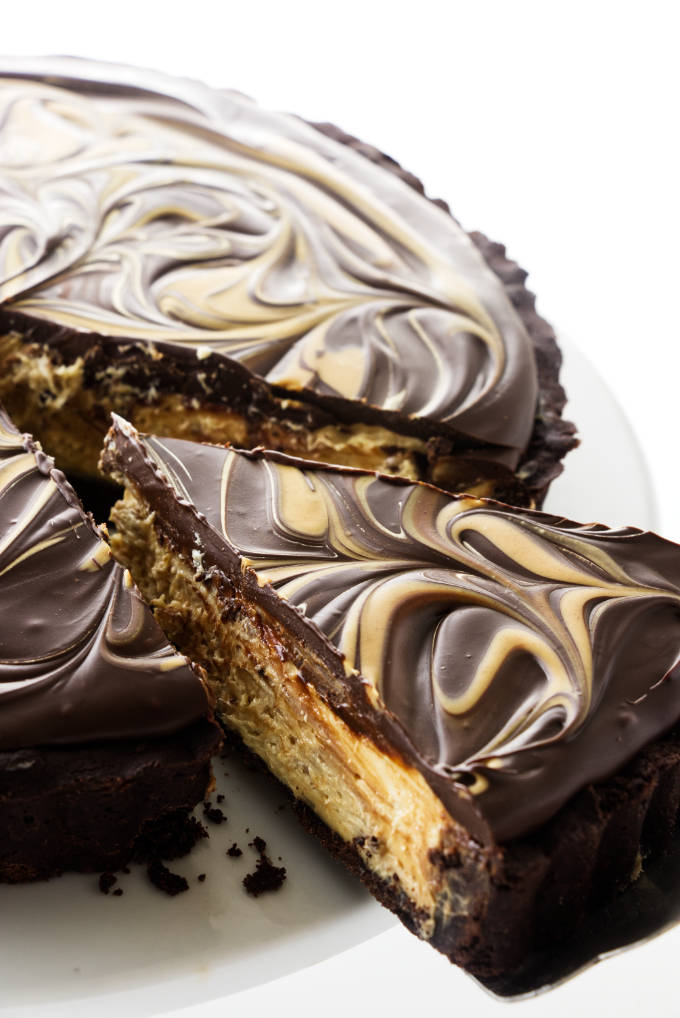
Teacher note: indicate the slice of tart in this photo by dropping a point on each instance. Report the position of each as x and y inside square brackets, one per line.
[104, 728]
[215, 271]
[474, 703]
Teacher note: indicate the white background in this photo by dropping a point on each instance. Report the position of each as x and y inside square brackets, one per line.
[552, 127]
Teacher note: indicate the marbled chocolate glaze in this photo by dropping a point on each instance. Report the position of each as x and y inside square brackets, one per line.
[523, 655]
[81, 657]
[187, 218]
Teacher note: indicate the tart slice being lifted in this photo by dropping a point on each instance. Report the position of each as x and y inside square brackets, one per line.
[475, 703]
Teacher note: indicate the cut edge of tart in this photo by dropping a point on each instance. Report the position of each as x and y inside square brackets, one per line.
[413, 831]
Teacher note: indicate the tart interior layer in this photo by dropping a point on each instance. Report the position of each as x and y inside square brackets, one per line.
[190, 220]
[81, 657]
[512, 657]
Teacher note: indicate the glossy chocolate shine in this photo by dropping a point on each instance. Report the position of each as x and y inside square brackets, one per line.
[81, 657]
[522, 654]
[191, 219]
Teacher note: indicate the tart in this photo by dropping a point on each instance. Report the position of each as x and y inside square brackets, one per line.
[218, 272]
[474, 703]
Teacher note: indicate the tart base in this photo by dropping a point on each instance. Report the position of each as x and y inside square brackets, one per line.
[84, 808]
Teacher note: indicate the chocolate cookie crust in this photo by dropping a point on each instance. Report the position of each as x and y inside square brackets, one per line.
[84, 807]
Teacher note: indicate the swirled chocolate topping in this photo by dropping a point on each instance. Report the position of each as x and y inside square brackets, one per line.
[81, 657]
[190, 219]
[516, 656]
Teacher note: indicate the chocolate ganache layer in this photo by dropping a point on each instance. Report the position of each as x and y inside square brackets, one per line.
[287, 273]
[81, 657]
[512, 657]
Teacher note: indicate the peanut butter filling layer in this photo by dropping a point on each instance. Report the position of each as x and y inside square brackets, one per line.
[373, 800]
[69, 417]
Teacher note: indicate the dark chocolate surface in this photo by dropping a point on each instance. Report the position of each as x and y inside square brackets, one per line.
[183, 218]
[520, 656]
[81, 657]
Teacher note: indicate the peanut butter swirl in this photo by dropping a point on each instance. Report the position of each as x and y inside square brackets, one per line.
[81, 657]
[522, 654]
[183, 217]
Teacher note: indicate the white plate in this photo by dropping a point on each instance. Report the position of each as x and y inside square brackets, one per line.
[67, 949]
[606, 478]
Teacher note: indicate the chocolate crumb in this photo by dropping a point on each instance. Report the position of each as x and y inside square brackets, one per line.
[201, 877]
[161, 877]
[266, 877]
[234, 851]
[106, 882]
[125, 869]
[118, 891]
[214, 813]
[220, 797]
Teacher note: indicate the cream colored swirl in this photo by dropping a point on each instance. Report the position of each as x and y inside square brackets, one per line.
[202, 220]
[504, 641]
[547, 617]
[80, 655]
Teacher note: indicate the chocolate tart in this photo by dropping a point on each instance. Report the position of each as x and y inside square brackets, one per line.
[104, 728]
[215, 271]
[476, 705]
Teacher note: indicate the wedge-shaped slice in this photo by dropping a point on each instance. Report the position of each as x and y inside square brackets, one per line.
[103, 726]
[470, 698]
